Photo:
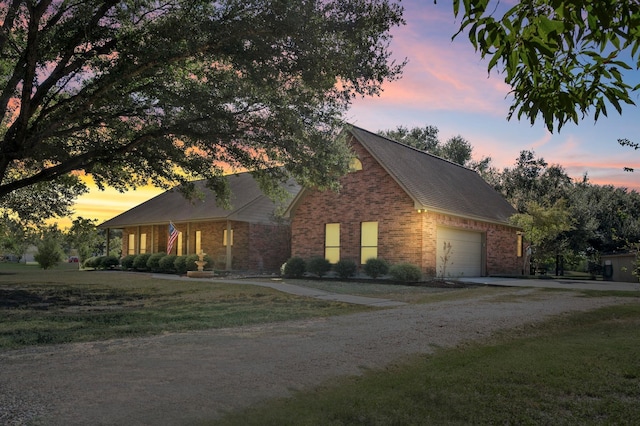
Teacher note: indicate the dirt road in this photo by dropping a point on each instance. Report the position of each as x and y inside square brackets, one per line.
[181, 378]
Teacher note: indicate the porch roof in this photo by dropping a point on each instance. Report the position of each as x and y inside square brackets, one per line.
[249, 204]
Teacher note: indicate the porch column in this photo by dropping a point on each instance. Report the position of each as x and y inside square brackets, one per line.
[188, 237]
[228, 242]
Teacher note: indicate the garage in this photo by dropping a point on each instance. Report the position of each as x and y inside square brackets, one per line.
[459, 253]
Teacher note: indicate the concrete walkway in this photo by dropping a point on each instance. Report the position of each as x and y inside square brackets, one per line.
[278, 284]
[555, 283]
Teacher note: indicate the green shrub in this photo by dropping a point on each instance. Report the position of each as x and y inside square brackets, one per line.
[180, 265]
[98, 262]
[49, 253]
[295, 267]
[210, 265]
[345, 268]
[109, 262]
[140, 262]
[191, 262]
[405, 272]
[167, 263]
[91, 262]
[153, 263]
[127, 261]
[318, 265]
[430, 272]
[376, 267]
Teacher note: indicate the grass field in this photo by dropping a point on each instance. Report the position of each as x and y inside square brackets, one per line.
[67, 305]
[575, 370]
[582, 369]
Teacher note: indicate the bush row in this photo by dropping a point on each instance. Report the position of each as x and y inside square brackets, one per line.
[101, 262]
[156, 262]
[296, 267]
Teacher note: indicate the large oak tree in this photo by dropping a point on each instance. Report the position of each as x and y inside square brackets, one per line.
[165, 91]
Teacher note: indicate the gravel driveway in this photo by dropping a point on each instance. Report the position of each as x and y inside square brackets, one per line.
[181, 378]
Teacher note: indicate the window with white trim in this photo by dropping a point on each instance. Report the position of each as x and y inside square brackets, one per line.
[332, 242]
[225, 237]
[368, 241]
[143, 243]
[132, 244]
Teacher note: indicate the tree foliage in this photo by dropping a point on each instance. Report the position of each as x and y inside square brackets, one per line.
[44, 200]
[603, 218]
[543, 227]
[49, 248]
[422, 138]
[456, 149]
[563, 59]
[168, 91]
[606, 217]
[15, 236]
[85, 238]
[532, 179]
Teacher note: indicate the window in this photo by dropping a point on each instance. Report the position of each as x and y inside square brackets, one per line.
[179, 244]
[198, 242]
[224, 237]
[132, 244]
[355, 165]
[332, 242]
[519, 249]
[143, 243]
[368, 241]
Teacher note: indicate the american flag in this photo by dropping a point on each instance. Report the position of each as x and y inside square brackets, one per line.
[173, 236]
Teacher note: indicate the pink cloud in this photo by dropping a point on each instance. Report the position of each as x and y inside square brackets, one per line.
[430, 84]
[441, 74]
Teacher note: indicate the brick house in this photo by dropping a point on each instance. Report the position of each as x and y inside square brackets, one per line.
[250, 236]
[404, 205]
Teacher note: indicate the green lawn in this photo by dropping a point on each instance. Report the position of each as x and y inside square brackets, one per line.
[67, 305]
[573, 370]
[582, 369]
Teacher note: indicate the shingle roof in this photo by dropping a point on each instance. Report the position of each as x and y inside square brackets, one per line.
[248, 203]
[435, 183]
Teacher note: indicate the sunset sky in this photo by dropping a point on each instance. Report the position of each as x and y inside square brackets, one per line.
[445, 84]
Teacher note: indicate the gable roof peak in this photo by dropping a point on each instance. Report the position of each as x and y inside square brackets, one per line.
[435, 183]
[419, 151]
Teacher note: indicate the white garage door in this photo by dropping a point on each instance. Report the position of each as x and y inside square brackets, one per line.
[459, 253]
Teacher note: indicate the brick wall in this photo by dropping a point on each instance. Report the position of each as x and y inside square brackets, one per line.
[501, 242]
[256, 247]
[404, 235]
[138, 231]
[270, 247]
[366, 195]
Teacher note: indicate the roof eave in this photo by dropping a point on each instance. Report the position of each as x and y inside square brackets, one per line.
[422, 208]
[294, 203]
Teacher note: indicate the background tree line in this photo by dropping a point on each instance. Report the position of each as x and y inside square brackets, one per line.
[82, 240]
